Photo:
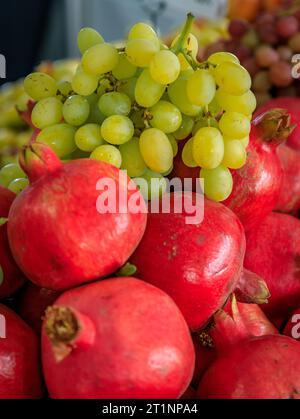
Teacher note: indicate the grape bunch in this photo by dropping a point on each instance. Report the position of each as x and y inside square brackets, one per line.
[266, 48]
[130, 107]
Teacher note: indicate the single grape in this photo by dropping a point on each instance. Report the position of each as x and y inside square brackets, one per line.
[9, 173]
[232, 78]
[47, 112]
[100, 59]
[156, 150]
[237, 28]
[76, 110]
[201, 88]
[208, 148]
[165, 116]
[185, 128]
[294, 43]
[108, 153]
[222, 57]
[127, 86]
[177, 92]
[235, 155]
[117, 129]
[114, 103]
[65, 88]
[124, 69]
[287, 26]
[262, 82]
[251, 66]
[142, 30]
[204, 122]
[87, 38]
[152, 185]
[165, 67]
[88, 137]
[285, 53]
[266, 56]
[187, 154]
[132, 160]
[218, 183]
[245, 104]
[147, 91]
[18, 185]
[281, 74]
[174, 146]
[141, 51]
[235, 125]
[40, 86]
[84, 84]
[250, 39]
[60, 138]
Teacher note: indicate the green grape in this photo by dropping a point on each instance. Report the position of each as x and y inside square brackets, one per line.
[177, 92]
[47, 112]
[185, 128]
[128, 87]
[221, 57]
[165, 67]
[154, 187]
[114, 103]
[232, 78]
[9, 173]
[191, 48]
[100, 59]
[204, 122]
[235, 125]
[165, 116]
[174, 145]
[156, 150]
[187, 154]
[87, 38]
[143, 31]
[169, 171]
[108, 153]
[147, 91]
[124, 69]
[245, 141]
[60, 138]
[117, 129]
[88, 137]
[22, 102]
[76, 110]
[132, 160]
[245, 104]
[235, 155]
[208, 148]
[201, 88]
[18, 185]
[95, 116]
[84, 84]
[141, 51]
[218, 183]
[40, 86]
[65, 88]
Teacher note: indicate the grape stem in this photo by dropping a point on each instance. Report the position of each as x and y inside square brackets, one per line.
[179, 44]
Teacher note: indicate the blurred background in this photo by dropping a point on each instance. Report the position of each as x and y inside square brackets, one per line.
[35, 30]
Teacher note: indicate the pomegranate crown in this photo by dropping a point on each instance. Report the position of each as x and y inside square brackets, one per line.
[274, 125]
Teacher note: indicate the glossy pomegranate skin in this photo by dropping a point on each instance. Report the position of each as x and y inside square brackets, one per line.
[198, 265]
[20, 376]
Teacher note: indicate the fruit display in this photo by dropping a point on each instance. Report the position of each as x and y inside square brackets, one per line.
[149, 228]
[268, 48]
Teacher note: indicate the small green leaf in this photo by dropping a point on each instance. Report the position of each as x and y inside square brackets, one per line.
[3, 221]
[1, 276]
[127, 270]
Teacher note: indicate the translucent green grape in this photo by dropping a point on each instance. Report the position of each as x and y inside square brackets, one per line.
[88, 137]
[108, 153]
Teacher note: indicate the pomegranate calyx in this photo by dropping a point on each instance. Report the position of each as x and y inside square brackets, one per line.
[274, 126]
[251, 289]
[37, 159]
[67, 330]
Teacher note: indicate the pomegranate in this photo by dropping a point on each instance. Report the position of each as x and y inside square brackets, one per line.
[292, 105]
[292, 328]
[19, 359]
[11, 278]
[198, 265]
[273, 252]
[250, 315]
[251, 367]
[120, 338]
[33, 303]
[257, 185]
[57, 235]
[289, 198]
